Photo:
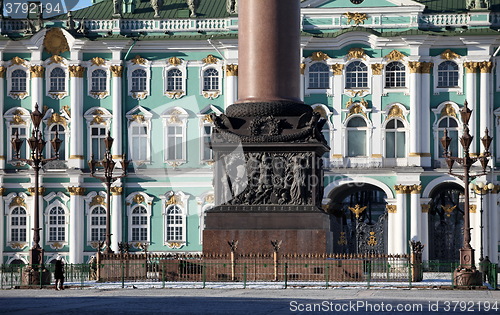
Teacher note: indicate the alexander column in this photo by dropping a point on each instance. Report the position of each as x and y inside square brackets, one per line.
[268, 146]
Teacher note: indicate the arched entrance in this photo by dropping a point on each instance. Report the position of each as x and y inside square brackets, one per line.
[358, 219]
[446, 222]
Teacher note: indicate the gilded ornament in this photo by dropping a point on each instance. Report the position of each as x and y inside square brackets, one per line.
[377, 68]
[41, 190]
[356, 93]
[55, 42]
[138, 60]
[17, 120]
[448, 110]
[416, 189]
[18, 95]
[337, 69]
[67, 110]
[98, 200]
[76, 71]
[116, 71]
[176, 95]
[395, 55]
[2, 71]
[97, 120]
[99, 95]
[18, 245]
[232, 70]
[18, 61]
[175, 245]
[449, 55]
[37, 71]
[472, 208]
[302, 68]
[426, 208]
[342, 239]
[349, 103]
[372, 240]
[357, 210]
[448, 210]
[319, 56]
[98, 112]
[138, 118]
[402, 189]
[174, 61]
[363, 103]
[210, 59]
[210, 198]
[211, 95]
[415, 66]
[56, 59]
[471, 67]
[56, 245]
[57, 119]
[395, 112]
[356, 53]
[76, 191]
[2, 190]
[356, 109]
[172, 201]
[115, 191]
[57, 95]
[208, 119]
[139, 95]
[391, 208]
[138, 199]
[174, 118]
[485, 66]
[358, 18]
[97, 61]
[426, 67]
[17, 202]
[320, 110]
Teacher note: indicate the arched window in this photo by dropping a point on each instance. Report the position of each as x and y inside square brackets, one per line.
[451, 125]
[18, 225]
[19, 80]
[139, 77]
[356, 75]
[99, 80]
[210, 80]
[139, 222]
[319, 75]
[175, 224]
[61, 133]
[356, 137]
[448, 74]
[98, 224]
[395, 75]
[57, 80]
[395, 139]
[57, 225]
[174, 80]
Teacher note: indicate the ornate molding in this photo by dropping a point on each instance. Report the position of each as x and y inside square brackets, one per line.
[302, 68]
[358, 18]
[97, 120]
[210, 59]
[37, 71]
[17, 201]
[471, 67]
[76, 71]
[98, 200]
[2, 71]
[41, 190]
[319, 56]
[395, 112]
[17, 61]
[174, 61]
[99, 95]
[207, 119]
[56, 118]
[57, 95]
[67, 110]
[356, 53]
[56, 59]
[116, 191]
[402, 189]
[415, 189]
[17, 245]
[485, 66]
[377, 68]
[472, 208]
[76, 191]
[357, 109]
[55, 42]
[391, 208]
[138, 60]
[426, 67]
[173, 200]
[448, 54]
[139, 118]
[139, 95]
[116, 71]
[17, 120]
[354, 93]
[175, 245]
[138, 199]
[211, 95]
[175, 95]
[395, 55]
[426, 208]
[97, 61]
[210, 198]
[337, 69]
[56, 245]
[232, 70]
[2, 190]
[321, 111]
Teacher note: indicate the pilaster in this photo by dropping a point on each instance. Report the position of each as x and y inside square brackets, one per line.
[377, 88]
[2, 101]
[37, 73]
[302, 81]
[117, 124]
[2, 224]
[338, 79]
[76, 158]
[400, 220]
[116, 217]
[416, 213]
[76, 217]
[425, 226]
[471, 96]
[392, 209]
[231, 91]
[425, 114]
[485, 106]
[415, 119]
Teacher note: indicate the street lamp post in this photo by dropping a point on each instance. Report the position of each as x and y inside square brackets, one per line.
[466, 273]
[108, 178]
[37, 160]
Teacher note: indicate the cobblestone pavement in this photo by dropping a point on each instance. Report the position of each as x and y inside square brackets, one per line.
[249, 301]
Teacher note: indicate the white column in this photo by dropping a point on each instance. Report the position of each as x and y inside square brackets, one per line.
[2, 100]
[493, 223]
[116, 126]
[391, 224]
[76, 158]
[302, 81]
[485, 112]
[338, 81]
[231, 92]
[416, 214]
[116, 217]
[425, 112]
[471, 97]
[486, 219]
[37, 73]
[475, 205]
[2, 222]
[415, 84]
[377, 87]
[425, 227]
[76, 219]
[400, 241]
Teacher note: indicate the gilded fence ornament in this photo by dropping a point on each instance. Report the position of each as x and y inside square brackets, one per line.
[448, 54]
[356, 53]
[319, 56]
[471, 67]
[232, 70]
[391, 208]
[37, 71]
[448, 209]
[377, 68]
[210, 59]
[97, 61]
[395, 112]
[18, 61]
[76, 71]
[174, 61]
[17, 202]
[485, 66]
[395, 55]
[337, 68]
[342, 239]
[372, 240]
[56, 118]
[357, 210]
[358, 18]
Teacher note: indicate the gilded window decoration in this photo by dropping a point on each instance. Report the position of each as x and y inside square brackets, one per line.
[358, 18]
[18, 78]
[175, 78]
[377, 68]
[319, 56]
[449, 110]
[210, 59]
[395, 112]
[395, 55]
[448, 54]
[139, 78]
[138, 60]
[337, 68]
[356, 53]
[97, 61]
[55, 42]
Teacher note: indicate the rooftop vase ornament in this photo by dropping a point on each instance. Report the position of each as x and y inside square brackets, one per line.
[36, 144]
[466, 274]
[108, 177]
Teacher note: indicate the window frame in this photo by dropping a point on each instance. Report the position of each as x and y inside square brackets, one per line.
[133, 201]
[139, 63]
[96, 117]
[368, 73]
[10, 86]
[180, 92]
[211, 93]
[93, 200]
[395, 130]
[17, 117]
[435, 72]
[179, 199]
[405, 76]
[11, 202]
[56, 243]
[175, 117]
[50, 65]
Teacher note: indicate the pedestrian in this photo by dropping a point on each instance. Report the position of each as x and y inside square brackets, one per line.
[59, 273]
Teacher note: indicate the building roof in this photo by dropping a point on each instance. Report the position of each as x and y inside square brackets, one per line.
[436, 6]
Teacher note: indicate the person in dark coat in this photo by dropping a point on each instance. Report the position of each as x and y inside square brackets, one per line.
[59, 273]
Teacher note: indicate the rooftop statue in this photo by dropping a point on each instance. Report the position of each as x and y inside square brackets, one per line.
[156, 5]
[193, 5]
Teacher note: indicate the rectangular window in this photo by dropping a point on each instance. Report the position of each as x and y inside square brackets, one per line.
[174, 143]
[21, 131]
[98, 134]
[139, 143]
[356, 143]
[207, 152]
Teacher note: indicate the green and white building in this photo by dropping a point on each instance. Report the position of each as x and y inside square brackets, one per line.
[388, 76]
